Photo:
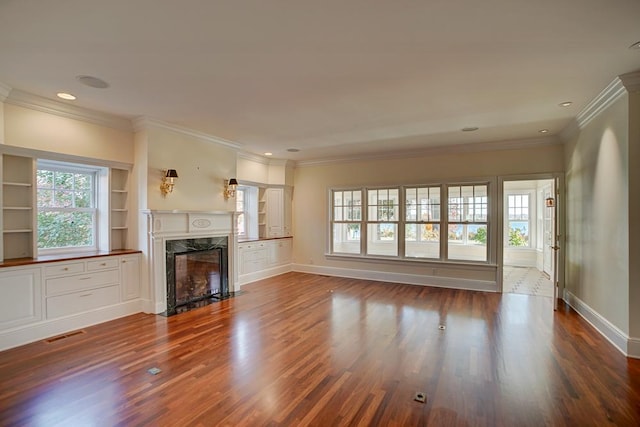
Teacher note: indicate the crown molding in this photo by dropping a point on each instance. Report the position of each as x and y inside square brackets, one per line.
[39, 103]
[143, 123]
[608, 96]
[631, 81]
[4, 91]
[443, 149]
[253, 157]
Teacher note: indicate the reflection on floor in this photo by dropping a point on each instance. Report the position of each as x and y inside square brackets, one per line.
[526, 280]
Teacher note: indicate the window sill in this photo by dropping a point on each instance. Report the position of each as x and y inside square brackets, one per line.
[412, 261]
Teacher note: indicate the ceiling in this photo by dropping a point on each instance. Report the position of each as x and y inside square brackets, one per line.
[330, 78]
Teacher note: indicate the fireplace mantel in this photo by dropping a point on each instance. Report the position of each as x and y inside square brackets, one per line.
[165, 225]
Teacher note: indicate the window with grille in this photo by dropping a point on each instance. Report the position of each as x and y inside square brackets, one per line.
[66, 199]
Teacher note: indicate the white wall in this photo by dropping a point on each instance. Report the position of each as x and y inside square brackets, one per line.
[202, 167]
[313, 181]
[37, 130]
[597, 215]
[634, 226]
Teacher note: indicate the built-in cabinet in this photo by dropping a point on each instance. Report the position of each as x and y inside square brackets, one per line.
[119, 225]
[43, 299]
[274, 211]
[18, 207]
[263, 258]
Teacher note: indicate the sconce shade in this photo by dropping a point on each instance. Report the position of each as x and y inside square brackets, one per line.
[172, 173]
[233, 181]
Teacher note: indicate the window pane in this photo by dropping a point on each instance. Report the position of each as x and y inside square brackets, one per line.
[337, 214]
[83, 199]
[518, 233]
[63, 199]
[63, 180]
[469, 244]
[422, 241]
[346, 238]
[63, 229]
[83, 182]
[45, 179]
[45, 198]
[382, 239]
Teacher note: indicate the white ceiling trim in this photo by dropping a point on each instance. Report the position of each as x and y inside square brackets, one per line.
[39, 103]
[631, 81]
[608, 96]
[4, 91]
[443, 149]
[253, 157]
[143, 123]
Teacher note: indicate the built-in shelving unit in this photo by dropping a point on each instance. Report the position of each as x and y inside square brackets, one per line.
[18, 203]
[119, 226]
[262, 212]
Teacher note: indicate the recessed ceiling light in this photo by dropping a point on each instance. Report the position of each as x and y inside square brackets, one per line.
[92, 82]
[470, 129]
[636, 45]
[268, 154]
[65, 95]
[293, 150]
[544, 131]
[565, 104]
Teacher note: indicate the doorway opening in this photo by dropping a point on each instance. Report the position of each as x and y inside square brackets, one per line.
[529, 232]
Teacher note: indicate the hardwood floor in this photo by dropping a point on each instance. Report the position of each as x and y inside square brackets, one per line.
[303, 349]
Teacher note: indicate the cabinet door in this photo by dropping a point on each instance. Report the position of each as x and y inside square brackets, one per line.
[275, 213]
[130, 277]
[21, 301]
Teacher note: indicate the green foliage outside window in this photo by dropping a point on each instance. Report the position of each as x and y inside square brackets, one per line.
[65, 208]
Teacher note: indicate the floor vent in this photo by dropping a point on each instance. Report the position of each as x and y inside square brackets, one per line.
[63, 336]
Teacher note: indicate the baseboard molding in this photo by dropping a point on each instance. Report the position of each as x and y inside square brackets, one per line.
[409, 279]
[630, 347]
[48, 328]
[243, 279]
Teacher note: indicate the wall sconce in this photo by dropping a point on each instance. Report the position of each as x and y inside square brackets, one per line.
[230, 188]
[550, 202]
[166, 186]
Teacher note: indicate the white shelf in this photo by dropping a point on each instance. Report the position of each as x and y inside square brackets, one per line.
[17, 208]
[16, 184]
[23, 230]
[119, 210]
[119, 228]
[119, 191]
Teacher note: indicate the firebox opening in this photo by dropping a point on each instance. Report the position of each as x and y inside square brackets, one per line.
[198, 275]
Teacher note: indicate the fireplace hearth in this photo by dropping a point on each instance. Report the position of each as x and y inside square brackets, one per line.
[197, 272]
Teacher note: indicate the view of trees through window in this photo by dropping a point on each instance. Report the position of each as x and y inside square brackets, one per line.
[66, 208]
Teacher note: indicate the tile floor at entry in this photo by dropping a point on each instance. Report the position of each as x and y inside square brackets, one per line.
[526, 280]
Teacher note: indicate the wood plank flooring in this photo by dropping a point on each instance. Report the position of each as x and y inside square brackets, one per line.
[302, 349]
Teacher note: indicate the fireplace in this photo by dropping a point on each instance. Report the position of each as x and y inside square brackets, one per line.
[197, 272]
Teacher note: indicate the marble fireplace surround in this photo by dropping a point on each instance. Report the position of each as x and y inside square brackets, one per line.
[165, 226]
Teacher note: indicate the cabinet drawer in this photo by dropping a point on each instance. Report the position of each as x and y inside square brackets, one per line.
[83, 281]
[65, 305]
[67, 268]
[102, 264]
[255, 254]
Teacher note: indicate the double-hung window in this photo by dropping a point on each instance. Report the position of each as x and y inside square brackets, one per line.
[422, 222]
[519, 220]
[382, 221]
[467, 222]
[241, 215]
[438, 222]
[66, 198]
[347, 221]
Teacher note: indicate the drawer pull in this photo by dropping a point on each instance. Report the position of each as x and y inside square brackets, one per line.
[65, 269]
[86, 295]
[84, 278]
[103, 264]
